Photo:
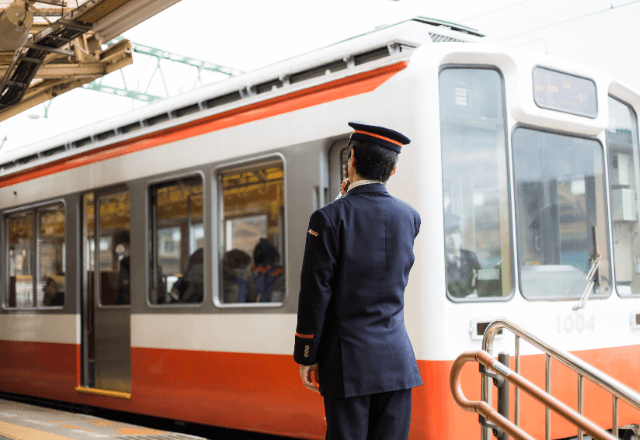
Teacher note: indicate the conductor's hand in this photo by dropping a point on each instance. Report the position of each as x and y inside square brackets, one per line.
[305, 374]
[343, 187]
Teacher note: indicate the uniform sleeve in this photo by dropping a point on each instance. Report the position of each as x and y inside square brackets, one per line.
[318, 268]
[417, 222]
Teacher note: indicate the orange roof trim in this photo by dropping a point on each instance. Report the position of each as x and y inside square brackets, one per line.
[341, 88]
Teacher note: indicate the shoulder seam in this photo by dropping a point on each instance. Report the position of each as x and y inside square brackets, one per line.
[333, 229]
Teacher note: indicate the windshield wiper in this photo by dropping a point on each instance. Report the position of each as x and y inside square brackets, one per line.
[591, 277]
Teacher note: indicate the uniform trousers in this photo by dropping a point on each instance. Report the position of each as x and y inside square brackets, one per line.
[381, 416]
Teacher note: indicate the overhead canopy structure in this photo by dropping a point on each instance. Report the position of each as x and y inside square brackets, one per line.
[65, 51]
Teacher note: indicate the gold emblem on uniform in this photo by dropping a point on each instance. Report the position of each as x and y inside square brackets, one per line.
[312, 232]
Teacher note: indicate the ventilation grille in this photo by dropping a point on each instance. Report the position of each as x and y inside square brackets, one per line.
[348, 62]
[436, 38]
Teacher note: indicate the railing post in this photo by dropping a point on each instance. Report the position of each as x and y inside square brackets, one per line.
[547, 388]
[580, 400]
[516, 404]
[615, 416]
[503, 393]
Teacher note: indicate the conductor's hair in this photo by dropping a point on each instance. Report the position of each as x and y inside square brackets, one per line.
[373, 162]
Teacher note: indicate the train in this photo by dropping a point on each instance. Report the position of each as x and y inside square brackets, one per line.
[129, 246]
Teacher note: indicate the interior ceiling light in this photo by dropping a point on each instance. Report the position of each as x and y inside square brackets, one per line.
[15, 22]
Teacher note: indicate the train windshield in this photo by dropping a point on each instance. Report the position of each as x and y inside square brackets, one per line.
[561, 215]
[475, 185]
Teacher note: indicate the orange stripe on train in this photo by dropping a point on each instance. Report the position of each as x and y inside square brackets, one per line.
[342, 88]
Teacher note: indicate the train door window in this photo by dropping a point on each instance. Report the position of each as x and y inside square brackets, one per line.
[561, 215]
[113, 227]
[252, 234]
[51, 255]
[624, 160]
[477, 257]
[36, 254]
[21, 259]
[177, 252]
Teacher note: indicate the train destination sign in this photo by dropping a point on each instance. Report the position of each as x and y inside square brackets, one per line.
[563, 92]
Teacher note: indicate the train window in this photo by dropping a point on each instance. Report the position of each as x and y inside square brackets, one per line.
[624, 159]
[36, 257]
[51, 256]
[177, 252]
[107, 241]
[252, 234]
[561, 215]
[478, 261]
[21, 259]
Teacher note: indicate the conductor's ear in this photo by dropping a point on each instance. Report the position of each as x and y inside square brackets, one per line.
[394, 171]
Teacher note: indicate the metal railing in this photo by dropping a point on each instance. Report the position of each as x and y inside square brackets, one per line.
[617, 389]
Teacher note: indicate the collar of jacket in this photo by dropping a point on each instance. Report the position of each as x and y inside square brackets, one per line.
[372, 187]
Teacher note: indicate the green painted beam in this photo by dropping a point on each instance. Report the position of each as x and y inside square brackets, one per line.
[141, 93]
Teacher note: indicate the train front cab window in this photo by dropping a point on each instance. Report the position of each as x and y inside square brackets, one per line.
[107, 290]
[251, 234]
[36, 257]
[561, 214]
[624, 160]
[477, 243]
[176, 273]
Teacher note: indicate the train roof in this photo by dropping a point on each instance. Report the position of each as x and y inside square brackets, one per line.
[236, 91]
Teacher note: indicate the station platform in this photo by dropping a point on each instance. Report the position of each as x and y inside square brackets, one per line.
[21, 421]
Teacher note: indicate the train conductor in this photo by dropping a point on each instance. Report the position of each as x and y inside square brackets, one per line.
[358, 254]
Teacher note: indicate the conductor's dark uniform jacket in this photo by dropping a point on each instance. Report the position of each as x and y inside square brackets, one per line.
[358, 254]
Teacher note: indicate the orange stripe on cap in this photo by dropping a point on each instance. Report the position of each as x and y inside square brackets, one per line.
[304, 336]
[379, 137]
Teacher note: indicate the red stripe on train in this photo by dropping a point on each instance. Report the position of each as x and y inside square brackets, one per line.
[342, 88]
[263, 393]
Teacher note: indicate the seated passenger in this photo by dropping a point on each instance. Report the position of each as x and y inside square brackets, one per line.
[267, 276]
[52, 295]
[121, 248]
[236, 276]
[190, 287]
[462, 265]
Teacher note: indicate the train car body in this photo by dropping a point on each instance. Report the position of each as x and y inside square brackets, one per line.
[523, 166]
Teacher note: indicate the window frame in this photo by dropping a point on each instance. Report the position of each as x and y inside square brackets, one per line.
[152, 230]
[609, 195]
[509, 181]
[218, 226]
[5, 285]
[605, 173]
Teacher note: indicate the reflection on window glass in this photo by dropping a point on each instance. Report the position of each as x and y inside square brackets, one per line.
[622, 142]
[51, 274]
[562, 232]
[114, 249]
[177, 260]
[475, 191]
[21, 258]
[47, 287]
[253, 241]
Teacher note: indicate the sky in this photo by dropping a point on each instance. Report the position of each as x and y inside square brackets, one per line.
[242, 34]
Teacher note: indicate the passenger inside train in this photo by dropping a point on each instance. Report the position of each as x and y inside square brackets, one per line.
[190, 287]
[236, 273]
[267, 275]
[462, 265]
[122, 251]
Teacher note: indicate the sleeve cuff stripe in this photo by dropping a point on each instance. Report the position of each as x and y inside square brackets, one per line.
[304, 336]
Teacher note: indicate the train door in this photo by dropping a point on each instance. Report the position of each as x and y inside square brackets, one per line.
[106, 291]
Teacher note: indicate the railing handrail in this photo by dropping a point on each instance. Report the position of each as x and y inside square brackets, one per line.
[486, 411]
[607, 382]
